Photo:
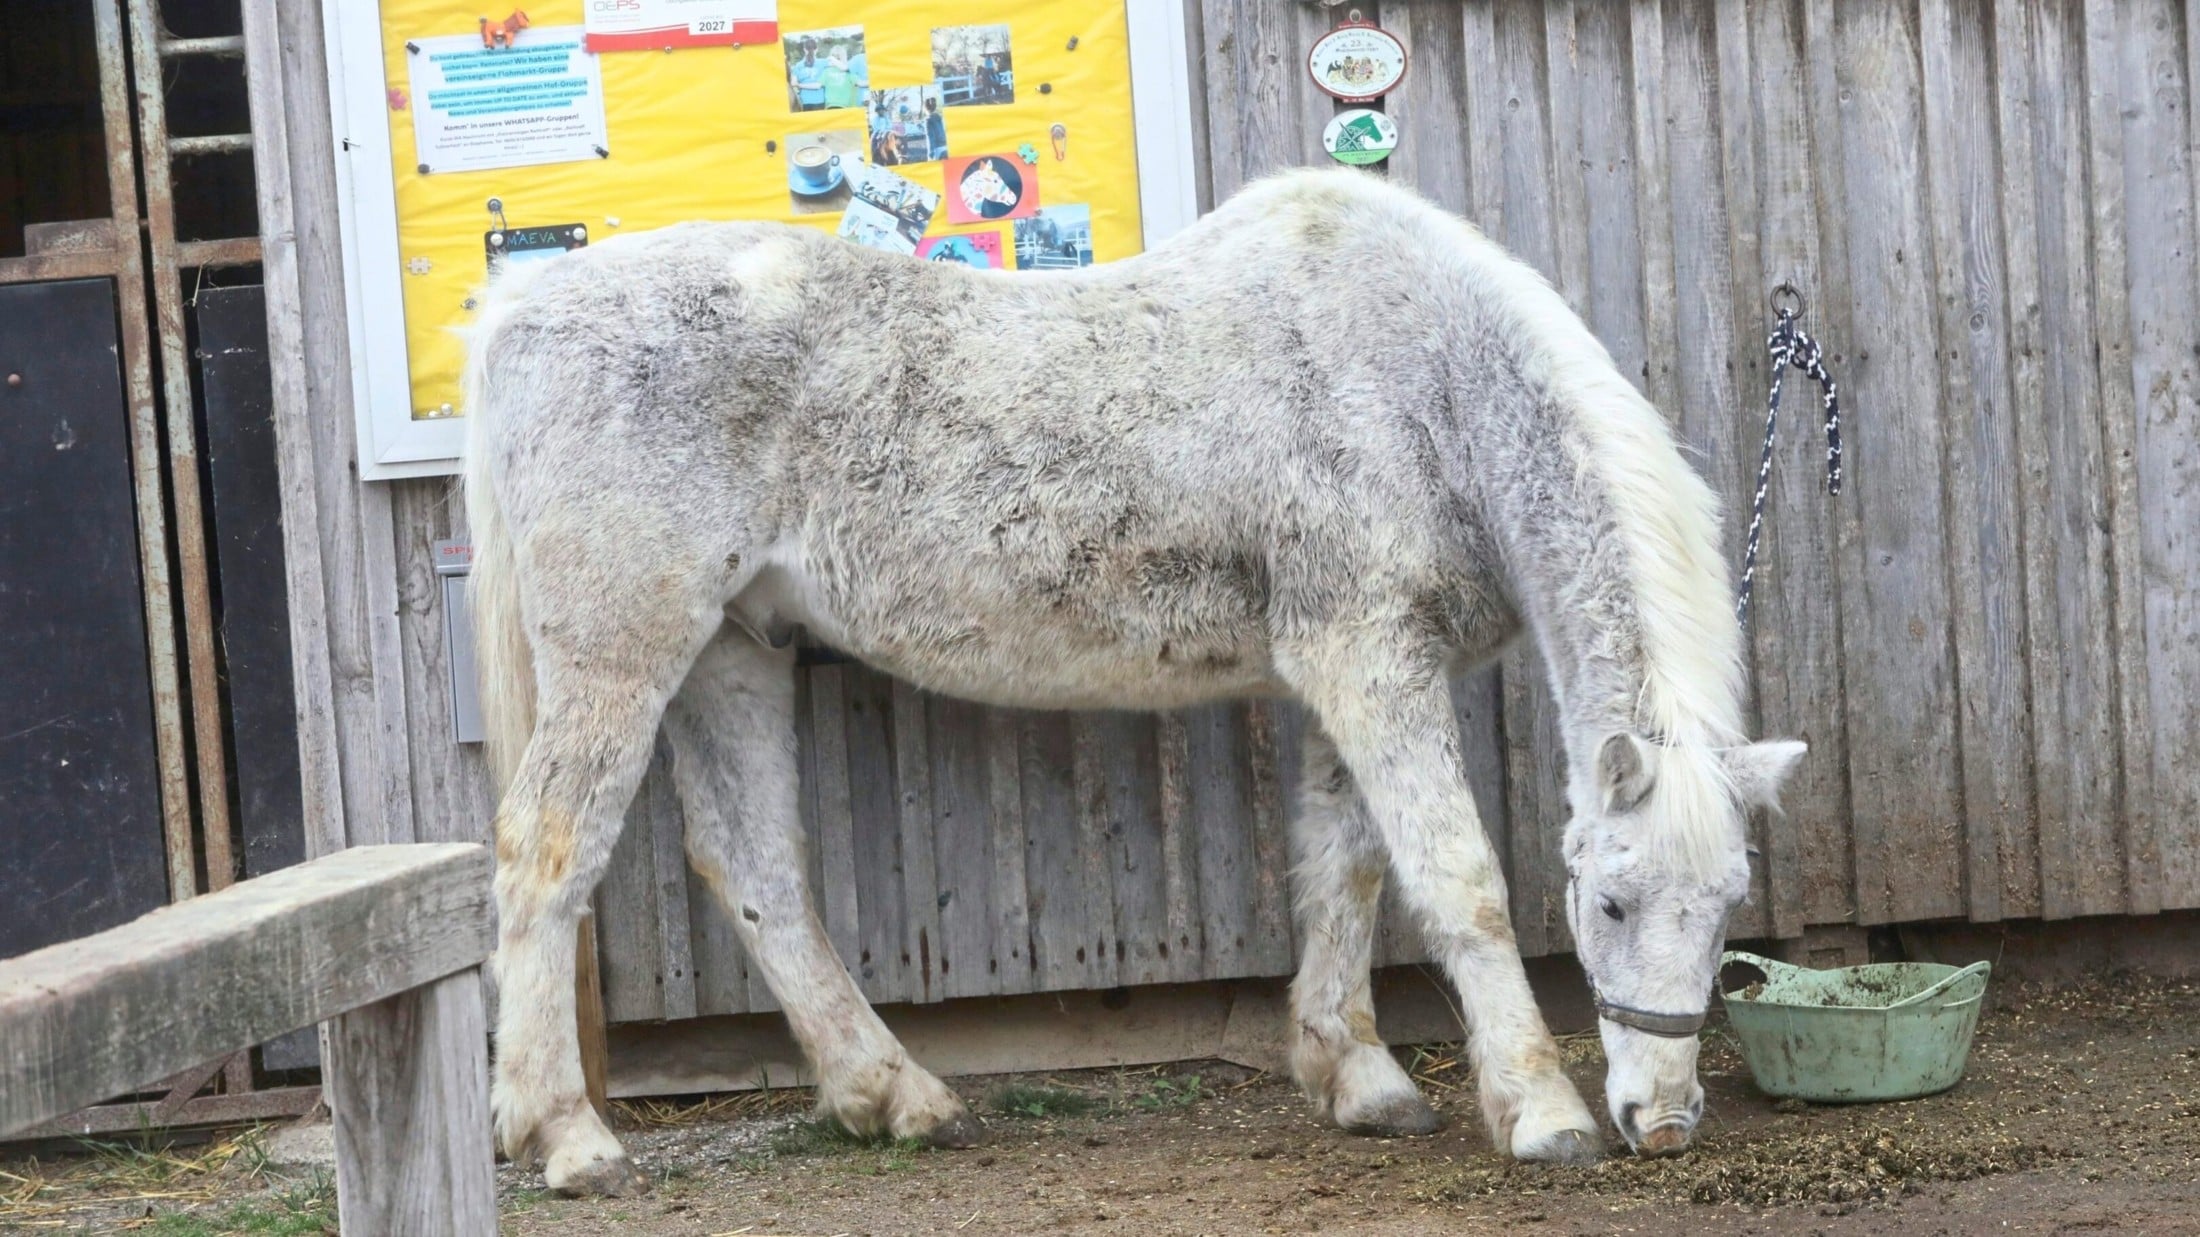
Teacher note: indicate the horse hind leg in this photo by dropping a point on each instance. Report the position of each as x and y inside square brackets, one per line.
[1336, 1056]
[733, 745]
[604, 673]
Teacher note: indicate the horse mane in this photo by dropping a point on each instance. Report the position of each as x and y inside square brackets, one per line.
[1667, 520]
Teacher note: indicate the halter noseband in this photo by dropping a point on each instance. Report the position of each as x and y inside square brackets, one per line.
[1650, 1022]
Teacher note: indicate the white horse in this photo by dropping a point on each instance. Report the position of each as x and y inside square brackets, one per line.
[1331, 443]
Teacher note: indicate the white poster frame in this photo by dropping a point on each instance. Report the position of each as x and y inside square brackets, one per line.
[392, 444]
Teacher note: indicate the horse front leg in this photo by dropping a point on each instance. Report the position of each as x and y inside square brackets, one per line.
[1336, 1056]
[733, 747]
[1386, 705]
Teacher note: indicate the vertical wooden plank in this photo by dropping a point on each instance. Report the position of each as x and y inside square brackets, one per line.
[1576, 90]
[1896, 620]
[1710, 411]
[372, 691]
[1486, 106]
[1062, 939]
[834, 839]
[2115, 875]
[1133, 840]
[2087, 746]
[302, 268]
[1256, 82]
[1221, 814]
[626, 913]
[882, 962]
[1428, 105]
[1180, 946]
[592, 1024]
[1535, 768]
[1012, 948]
[920, 888]
[408, 1080]
[1090, 832]
[666, 828]
[1985, 553]
[2172, 672]
[964, 956]
[452, 797]
[1272, 937]
[1653, 206]
[1768, 89]
[2012, 70]
[2161, 675]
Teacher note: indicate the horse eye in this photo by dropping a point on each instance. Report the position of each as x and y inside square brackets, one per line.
[1611, 909]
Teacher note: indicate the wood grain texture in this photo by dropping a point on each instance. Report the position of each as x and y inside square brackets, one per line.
[1980, 482]
[300, 267]
[1988, 641]
[2112, 863]
[408, 1083]
[2024, 325]
[2088, 748]
[95, 1017]
[2161, 676]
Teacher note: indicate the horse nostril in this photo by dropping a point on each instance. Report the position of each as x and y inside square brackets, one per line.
[1627, 1120]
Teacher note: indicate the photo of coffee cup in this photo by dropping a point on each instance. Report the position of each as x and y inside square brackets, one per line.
[815, 166]
[818, 168]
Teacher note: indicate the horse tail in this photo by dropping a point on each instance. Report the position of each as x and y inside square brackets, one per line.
[503, 659]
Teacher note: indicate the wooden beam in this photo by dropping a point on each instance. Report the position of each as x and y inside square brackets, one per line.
[408, 1080]
[96, 1017]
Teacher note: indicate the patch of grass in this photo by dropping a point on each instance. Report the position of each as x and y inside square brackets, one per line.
[870, 1157]
[1019, 1099]
[1166, 1093]
[305, 1209]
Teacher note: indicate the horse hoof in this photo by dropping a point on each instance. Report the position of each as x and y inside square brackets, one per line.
[959, 1133]
[1405, 1117]
[611, 1178]
[1569, 1147]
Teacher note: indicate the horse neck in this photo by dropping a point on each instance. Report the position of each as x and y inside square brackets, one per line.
[1630, 620]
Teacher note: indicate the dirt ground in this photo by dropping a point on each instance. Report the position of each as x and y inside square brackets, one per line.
[2080, 1113]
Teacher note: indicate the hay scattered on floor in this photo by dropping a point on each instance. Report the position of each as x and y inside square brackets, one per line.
[1846, 1166]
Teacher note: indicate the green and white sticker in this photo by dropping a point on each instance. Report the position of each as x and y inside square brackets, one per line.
[1360, 136]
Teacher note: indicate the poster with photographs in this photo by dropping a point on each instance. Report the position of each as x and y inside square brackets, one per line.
[985, 188]
[972, 65]
[827, 69]
[888, 211]
[1057, 238]
[906, 126]
[817, 169]
[979, 250]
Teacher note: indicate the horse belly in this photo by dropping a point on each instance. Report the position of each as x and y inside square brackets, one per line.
[1105, 637]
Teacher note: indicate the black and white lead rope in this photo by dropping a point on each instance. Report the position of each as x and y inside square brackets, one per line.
[1788, 348]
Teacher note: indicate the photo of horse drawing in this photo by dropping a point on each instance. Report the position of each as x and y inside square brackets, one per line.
[1285, 464]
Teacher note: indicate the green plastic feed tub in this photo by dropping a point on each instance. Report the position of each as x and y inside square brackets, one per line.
[1889, 1031]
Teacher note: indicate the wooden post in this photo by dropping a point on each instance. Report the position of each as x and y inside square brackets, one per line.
[382, 943]
[408, 1078]
[588, 1008]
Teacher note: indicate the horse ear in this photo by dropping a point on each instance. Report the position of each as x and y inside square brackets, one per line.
[1625, 772]
[1760, 768]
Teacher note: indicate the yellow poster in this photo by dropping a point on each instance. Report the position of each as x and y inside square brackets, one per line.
[993, 132]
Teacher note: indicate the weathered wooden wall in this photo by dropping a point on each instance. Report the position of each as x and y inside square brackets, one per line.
[1992, 640]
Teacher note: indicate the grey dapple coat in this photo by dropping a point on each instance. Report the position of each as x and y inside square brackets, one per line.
[1329, 443]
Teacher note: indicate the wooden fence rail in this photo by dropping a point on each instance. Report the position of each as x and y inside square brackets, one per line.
[383, 942]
